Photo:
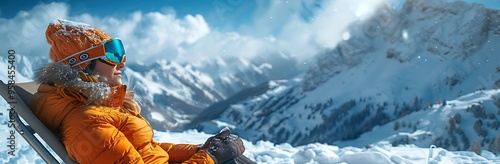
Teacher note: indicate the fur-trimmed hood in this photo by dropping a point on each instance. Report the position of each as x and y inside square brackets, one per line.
[64, 75]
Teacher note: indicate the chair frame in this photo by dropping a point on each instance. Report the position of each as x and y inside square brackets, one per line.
[33, 125]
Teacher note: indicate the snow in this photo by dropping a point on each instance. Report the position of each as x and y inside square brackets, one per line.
[360, 70]
[221, 124]
[378, 151]
[157, 116]
[431, 122]
[266, 152]
[66, 24]
[19, 78]
[386, 81]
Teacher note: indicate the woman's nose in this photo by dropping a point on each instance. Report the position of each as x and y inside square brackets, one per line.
[120, 66]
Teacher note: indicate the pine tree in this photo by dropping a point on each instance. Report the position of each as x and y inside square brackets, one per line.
[396, 125]
[476, 147]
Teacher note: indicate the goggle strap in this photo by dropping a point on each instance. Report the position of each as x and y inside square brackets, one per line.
[81, 62]
[73, 55]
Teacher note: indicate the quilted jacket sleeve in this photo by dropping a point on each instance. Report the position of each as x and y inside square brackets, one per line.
[186, 153]
[101, 142]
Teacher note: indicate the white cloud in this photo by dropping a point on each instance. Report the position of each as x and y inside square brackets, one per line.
[154, 34]
[307, 26]
[230, 44]
[300, 28]
[25, 32]
[145, 34]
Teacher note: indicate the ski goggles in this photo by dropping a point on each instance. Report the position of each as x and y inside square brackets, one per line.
[111, 52]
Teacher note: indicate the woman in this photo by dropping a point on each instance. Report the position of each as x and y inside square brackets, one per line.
[82, 98]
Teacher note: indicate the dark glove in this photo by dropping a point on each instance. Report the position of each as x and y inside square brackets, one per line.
[223, 134]
[224, 146]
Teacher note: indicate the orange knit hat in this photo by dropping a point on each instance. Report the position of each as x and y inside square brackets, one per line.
[68, 37]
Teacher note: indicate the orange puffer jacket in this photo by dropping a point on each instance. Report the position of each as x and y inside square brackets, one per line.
[95, 126]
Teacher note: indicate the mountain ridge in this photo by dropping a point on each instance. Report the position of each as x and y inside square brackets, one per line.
[395, 64]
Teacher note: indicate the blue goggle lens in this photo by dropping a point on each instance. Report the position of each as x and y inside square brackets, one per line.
[114, 51]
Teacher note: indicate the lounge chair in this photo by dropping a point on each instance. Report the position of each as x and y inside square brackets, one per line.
[21, 98]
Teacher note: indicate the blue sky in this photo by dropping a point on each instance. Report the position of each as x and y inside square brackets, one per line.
[223, 14]
[170, 29]
[187, 30]
[216, 12]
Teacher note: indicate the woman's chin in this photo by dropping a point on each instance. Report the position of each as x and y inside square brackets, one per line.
[118, 83]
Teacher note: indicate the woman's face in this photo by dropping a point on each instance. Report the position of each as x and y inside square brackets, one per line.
[111, 73]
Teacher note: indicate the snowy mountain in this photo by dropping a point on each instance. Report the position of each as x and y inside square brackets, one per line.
[25, 66]
[407, 78]
[454, 124]
[390, 69]
[171, 93]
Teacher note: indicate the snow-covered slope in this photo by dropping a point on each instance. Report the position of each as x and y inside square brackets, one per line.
[393, 65]
[453, 124]
[264, 152]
